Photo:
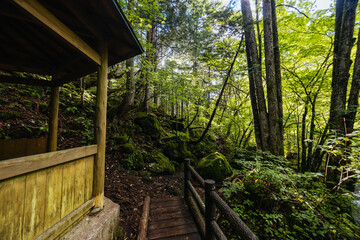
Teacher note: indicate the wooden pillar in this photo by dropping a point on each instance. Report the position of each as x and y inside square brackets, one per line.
[53, 119]
[100, 128]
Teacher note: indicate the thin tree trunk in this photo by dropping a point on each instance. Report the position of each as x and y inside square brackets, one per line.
[130, 83]
[311, 136]
[220, 95]
[303, 137]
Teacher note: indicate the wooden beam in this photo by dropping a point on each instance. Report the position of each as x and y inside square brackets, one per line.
[79, 11]
[100, 128]
[17, 166]
[49, 20]
[53, 119]
[143, 226]
[25, 80]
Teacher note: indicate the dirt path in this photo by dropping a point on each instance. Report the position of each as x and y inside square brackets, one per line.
[129, 188]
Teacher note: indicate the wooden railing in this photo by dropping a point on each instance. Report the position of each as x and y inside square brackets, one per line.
[205, 213]
[43, 195]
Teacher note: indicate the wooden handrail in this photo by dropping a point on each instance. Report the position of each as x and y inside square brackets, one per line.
[17, 166]
[212, 201]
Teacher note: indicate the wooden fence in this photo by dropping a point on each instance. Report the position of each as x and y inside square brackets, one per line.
[14, 148]
[43, 195]
[205, 213]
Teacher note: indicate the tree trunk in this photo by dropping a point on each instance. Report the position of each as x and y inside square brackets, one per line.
[255, 80]
[303, 137]
[344, 30]
[278, 77]
[353, 101]
[273, 112]
[130, 83]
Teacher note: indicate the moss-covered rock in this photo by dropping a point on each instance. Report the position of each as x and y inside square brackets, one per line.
[176, 150]
[133, 161]
[214, 166]
[161, 164]
[119, 139]
[126, 148]
[150, 124]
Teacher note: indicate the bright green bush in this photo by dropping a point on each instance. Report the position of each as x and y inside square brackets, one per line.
[278, 203]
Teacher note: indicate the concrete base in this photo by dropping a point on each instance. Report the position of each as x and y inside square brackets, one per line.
[98, 226]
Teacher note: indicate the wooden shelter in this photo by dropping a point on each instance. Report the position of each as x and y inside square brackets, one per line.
[42, 195]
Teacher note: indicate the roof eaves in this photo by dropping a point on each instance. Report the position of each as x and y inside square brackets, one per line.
[128, 25]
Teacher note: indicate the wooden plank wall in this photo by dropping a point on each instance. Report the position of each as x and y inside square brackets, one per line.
[13, 148]
[33, 202]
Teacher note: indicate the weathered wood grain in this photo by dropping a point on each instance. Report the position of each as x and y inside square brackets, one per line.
[61, 226]
[89, 172]
[68, 189]
[172, 231]
[100, 128]
[143, 226]
[53, 196]
[79, 187]
[17, 166]
[170, 219]
[34, 209]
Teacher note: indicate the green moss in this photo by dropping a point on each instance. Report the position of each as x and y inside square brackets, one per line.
[134, 161]
[126, 148]
[43, 107]
[161, 164]
[177, 150]
[214, 166]
[150, 124]
[120, 139]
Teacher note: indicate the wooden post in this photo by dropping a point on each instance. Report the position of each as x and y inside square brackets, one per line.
[100, 128]
[53, 119]
[187, 176]
[210, 209]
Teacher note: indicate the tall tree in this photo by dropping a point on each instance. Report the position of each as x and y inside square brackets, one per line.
[267, 124]
[343, 43]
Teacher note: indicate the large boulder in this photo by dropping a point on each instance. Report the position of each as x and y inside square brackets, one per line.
[149, 124]
[161, 164]
[176, 150]
[214, 166]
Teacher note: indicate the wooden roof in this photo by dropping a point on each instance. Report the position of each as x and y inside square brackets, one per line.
[61, 38]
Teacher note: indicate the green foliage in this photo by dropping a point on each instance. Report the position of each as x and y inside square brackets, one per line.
[278, 203]
[133, 161]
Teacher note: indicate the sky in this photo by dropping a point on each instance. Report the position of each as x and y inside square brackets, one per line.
[320, 4]
[323, 4]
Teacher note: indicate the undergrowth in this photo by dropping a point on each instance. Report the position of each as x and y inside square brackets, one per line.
[278, 203]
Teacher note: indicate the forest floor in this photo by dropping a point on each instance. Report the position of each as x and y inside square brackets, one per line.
[129, 189]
